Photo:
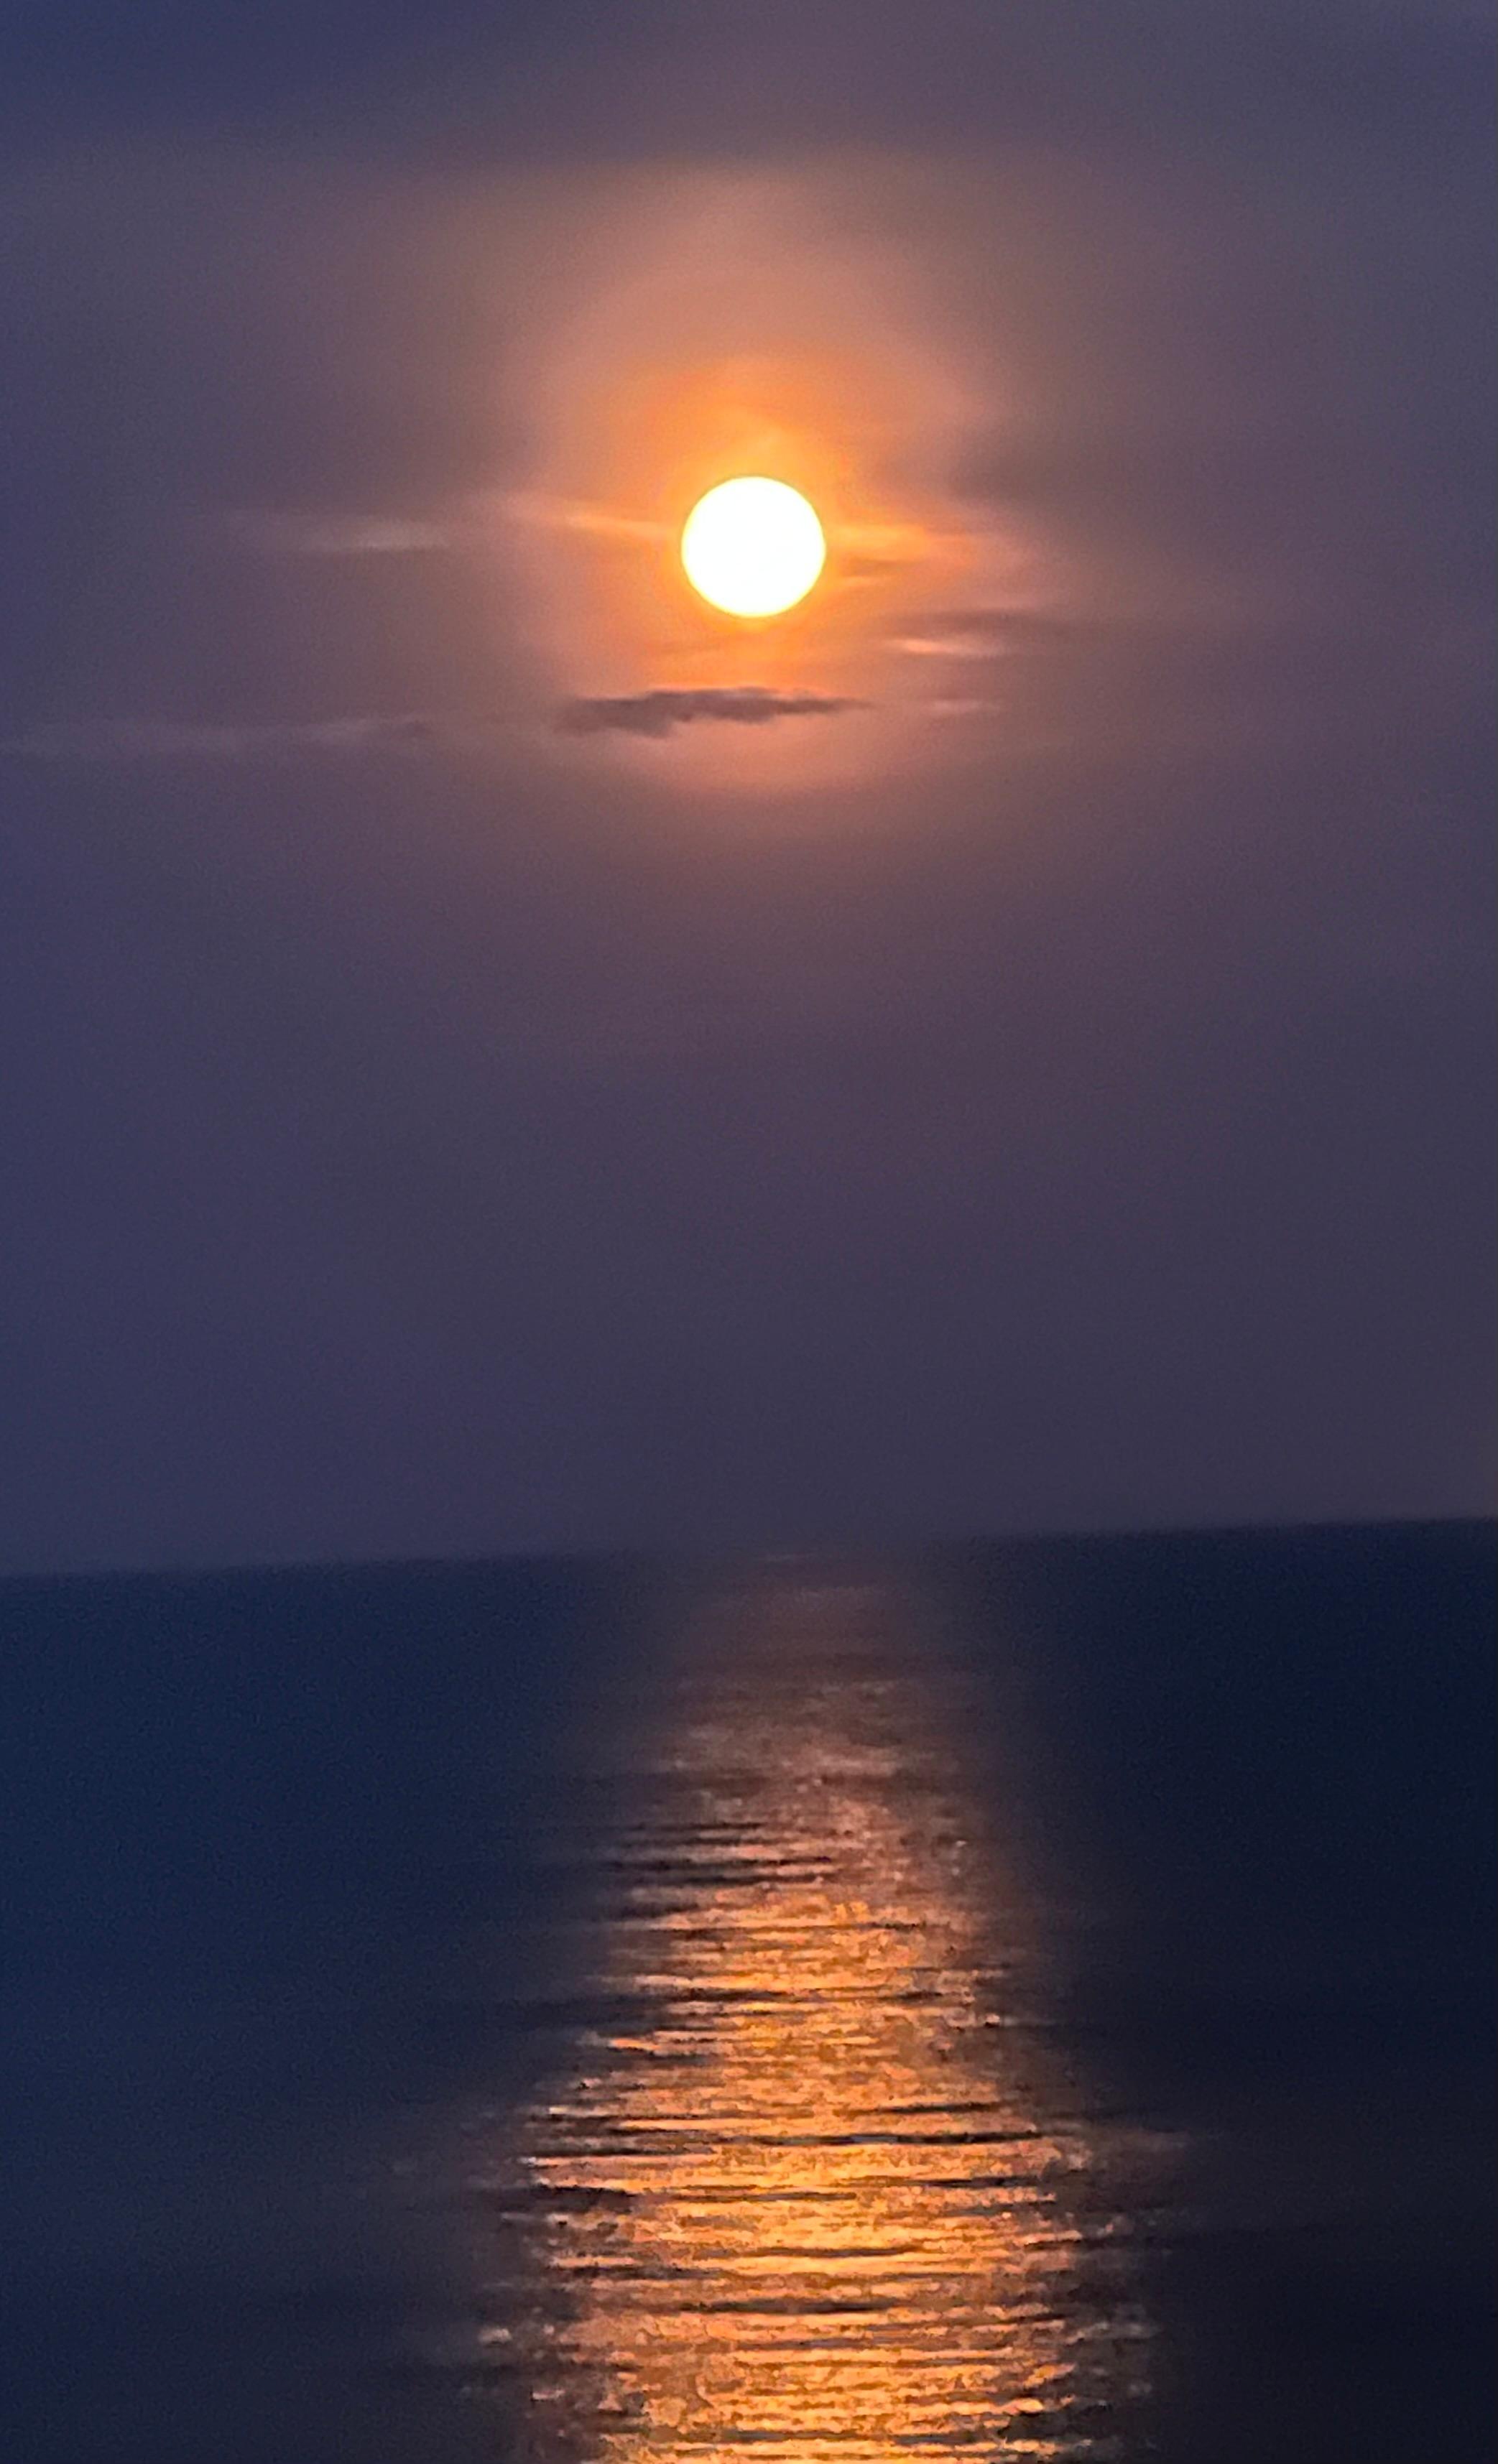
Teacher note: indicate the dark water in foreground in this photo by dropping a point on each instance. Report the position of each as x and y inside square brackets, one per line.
[1028, 2003]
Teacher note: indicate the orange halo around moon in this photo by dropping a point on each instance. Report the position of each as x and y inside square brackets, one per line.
[641, 445]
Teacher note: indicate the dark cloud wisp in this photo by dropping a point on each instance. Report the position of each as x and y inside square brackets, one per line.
[659, 711]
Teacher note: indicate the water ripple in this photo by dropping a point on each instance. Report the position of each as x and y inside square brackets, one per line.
[807, 2181]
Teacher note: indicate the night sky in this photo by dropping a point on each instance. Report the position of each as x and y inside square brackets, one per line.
[495, 1058]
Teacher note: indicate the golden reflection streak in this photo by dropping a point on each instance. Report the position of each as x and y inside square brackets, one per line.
[803, 2200]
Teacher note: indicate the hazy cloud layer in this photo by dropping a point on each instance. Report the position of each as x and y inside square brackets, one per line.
[1082, 1116]
[658, 712]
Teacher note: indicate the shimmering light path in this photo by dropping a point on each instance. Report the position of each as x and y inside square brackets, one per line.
[804, 2184]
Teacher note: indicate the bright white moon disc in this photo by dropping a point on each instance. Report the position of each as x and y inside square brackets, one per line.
[753, 547]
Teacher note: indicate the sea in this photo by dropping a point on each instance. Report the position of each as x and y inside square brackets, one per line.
[1020, 2000]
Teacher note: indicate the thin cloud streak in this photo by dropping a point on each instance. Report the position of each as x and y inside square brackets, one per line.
[987, 633]
[277, 532]
[656, 714]
[536, 511]
[659, 711]
[108, 740]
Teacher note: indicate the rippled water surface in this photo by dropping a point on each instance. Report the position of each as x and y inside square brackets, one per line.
[808, 2177]
[1028, 2002]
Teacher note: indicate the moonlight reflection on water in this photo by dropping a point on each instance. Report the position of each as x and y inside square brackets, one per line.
[801, 2184]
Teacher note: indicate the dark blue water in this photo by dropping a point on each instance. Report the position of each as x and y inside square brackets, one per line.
[1032, 2001]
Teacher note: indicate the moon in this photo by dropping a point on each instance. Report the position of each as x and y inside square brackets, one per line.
[753, 547]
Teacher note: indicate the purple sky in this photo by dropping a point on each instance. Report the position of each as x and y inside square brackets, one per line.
[487, 1065]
